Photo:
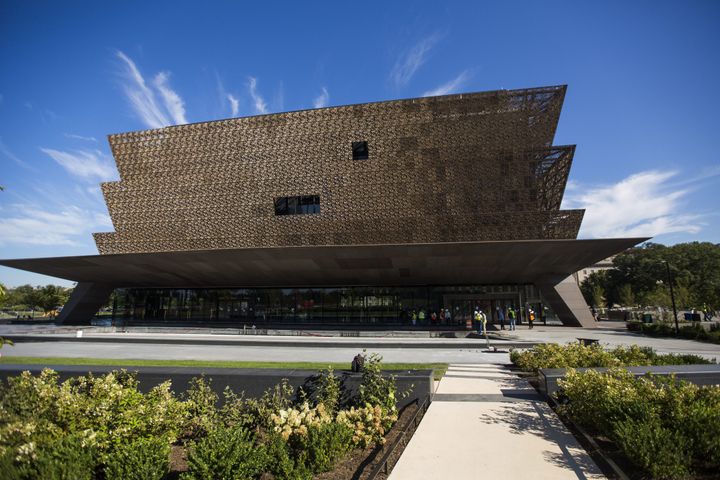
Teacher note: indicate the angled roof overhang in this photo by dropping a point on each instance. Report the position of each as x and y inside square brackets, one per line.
[460, 263]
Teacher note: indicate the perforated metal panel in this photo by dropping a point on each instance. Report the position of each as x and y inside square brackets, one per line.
[464, 167]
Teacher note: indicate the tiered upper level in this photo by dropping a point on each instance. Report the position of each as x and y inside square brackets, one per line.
[468, 167]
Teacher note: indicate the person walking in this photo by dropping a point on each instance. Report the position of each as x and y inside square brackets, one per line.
[414, 318]
[511, 317]
[531, 318]
[501, 317]
[421, 316]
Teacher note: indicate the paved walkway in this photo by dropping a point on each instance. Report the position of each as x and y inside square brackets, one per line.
[485, 422]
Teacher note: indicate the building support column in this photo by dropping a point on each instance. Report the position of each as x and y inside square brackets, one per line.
[87, 298]
[565, 298]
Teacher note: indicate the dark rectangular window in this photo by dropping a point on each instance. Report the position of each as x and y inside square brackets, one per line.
[299, 205]
[360, 150]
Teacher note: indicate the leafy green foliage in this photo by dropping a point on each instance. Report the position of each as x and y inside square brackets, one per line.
[47, 297]
[669, 428]
[201, 405]
[108, 429]
[553, 355]
[665, 329]
[694, 267]
[225, 453]
[323, 446]
[376, 388]
[329, 390]
[143, 459]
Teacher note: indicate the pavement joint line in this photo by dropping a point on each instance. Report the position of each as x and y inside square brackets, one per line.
[507, 396]
[480, 377]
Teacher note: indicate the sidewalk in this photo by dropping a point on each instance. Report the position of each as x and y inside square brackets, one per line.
[485, 422]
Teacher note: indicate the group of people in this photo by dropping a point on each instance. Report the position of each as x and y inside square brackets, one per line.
[511, 314]
[443, 316]
[435, 318]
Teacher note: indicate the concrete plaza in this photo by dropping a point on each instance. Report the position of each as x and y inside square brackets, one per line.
[417, 347]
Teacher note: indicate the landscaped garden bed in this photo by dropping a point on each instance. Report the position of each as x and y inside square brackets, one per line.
[103, 427]
[651, 426]
[694, 331]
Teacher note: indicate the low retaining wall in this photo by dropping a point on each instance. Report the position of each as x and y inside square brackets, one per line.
[252, 381]
[697, 374]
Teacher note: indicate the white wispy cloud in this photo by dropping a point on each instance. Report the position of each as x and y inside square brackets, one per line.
[258, 101]
[322, 99]
[9, 154]
[154, 113]
[172, 101]
[451, 86]
[409, 62]
[24, 224]
[80, 137]
[643, 204]
[234, 104]
[87, 164]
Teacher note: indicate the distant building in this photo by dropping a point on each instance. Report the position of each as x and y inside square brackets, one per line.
[604, 264]
[345, 217]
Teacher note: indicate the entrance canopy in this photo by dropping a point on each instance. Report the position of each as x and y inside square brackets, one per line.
[498, 262]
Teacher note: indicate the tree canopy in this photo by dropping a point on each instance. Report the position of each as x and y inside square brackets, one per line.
[640, 277]
[46, 297]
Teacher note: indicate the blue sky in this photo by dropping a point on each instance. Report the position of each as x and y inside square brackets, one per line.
[642, 99]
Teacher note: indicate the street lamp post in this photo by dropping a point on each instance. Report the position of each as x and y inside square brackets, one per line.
[672, 297]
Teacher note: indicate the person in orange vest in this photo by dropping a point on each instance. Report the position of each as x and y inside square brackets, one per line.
[531, 318]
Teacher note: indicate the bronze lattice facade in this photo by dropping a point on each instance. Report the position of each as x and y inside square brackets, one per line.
[455, 168]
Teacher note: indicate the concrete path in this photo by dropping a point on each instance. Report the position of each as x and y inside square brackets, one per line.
[485, 422]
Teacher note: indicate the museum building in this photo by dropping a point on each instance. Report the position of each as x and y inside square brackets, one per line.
[353, 216]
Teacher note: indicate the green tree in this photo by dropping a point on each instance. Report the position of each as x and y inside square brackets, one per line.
[626, 296]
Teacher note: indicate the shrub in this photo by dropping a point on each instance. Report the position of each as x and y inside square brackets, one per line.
[281, 464]
[328, 390]
[67, 458]
[669, 428]
[225, 453]
[295, 422]
[324, 445]
[575, 355]
[552, 355]
[144, 459]
[254, 413]
[106, 411]
[200, 402]
[653, 447]
[376, 388]
[368, 423]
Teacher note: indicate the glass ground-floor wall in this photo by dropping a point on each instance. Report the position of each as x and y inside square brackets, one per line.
[405, 307]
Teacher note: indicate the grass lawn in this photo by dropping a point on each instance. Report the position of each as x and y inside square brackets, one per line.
[437, 368]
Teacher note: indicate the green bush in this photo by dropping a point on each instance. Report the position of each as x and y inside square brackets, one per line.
[106, 411]
[376, 388]
[201, 404]
[323, 446]
[67, 458]
[575, 355]
[143, 459]
[667, 329]
[669, 428]
[653, 447]
[328, 390]
[281, 463]
[225, 453]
